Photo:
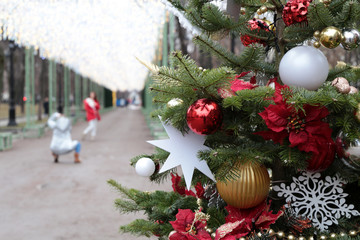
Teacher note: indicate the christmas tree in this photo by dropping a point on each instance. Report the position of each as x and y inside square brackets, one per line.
[268, 143]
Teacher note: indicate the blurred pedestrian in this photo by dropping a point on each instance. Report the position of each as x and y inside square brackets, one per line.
[61, 142]
[92, 108]
[134, 100]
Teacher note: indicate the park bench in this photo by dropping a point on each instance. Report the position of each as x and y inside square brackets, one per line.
[34, 131]
[5, 141]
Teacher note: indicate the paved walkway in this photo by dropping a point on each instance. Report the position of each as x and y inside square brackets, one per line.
[40, 200]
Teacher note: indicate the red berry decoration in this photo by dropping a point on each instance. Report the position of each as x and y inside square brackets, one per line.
[254, 24]
[204, 116]
[322, 160]
[295, 11]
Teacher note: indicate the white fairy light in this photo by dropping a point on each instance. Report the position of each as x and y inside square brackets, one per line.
[97, 38]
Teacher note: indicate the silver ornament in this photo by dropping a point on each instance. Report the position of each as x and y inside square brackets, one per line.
[351, 39]
[214, 197]
[350, 154]
[174, 102]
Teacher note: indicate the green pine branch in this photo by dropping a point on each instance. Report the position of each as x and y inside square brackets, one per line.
[248, 60]
[255, 96]
[177, 4]
[215, 19]
[319, 16]
[336, 6]
[298, 33]
[345, 15]
[141, 227]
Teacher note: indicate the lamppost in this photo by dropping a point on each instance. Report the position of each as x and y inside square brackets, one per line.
[12, 113]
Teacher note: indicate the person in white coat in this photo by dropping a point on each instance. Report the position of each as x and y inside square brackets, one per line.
[61, 142]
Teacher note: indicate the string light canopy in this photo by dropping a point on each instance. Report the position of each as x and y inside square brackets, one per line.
[97, 38]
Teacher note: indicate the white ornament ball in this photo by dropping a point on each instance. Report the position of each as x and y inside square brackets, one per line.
[145, 167]
[305, 67]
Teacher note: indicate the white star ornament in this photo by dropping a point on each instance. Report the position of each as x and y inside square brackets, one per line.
[183, 151]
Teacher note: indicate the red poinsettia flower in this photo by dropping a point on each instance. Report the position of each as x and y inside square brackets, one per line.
[254, 25]
[200, 191]
[177, 187]
[278, 96]
[322, 160]
[304, 129]
[240, 222]
[237, 84]
[189, 228]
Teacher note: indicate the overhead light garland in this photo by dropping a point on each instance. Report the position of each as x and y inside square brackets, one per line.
[98, 39]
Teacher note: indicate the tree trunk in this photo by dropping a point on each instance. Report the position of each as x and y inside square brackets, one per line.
[2, 67]
[22, 81]
[182, 37]
[233, 9]
[41, 88]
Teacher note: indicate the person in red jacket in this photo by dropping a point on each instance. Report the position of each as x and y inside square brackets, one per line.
[92, 108]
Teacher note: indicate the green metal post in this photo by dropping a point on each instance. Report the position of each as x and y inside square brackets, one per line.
[77, 95]
[81, 79]
[172, 34]
[66, 90]
[102, 96]
[27, 85]
[98, 92]
[85, 88]
[50, 81]
[54, 85]
[89, 85]
[95, 88]
[165, 43]
[32, 77]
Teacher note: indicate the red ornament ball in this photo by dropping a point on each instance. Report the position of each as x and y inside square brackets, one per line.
[322, 160]
[295, 11]
[254, 24]
[204, 116]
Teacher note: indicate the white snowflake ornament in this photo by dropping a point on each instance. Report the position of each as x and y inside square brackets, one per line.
[323, 202]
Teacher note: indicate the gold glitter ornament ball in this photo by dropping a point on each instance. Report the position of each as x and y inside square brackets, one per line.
[331, 37]
[270, 24]
[317, 44]
[353, 90]
[242, 11]
[341, 84]
[263, 9]
[325, 2]
[317, 34]
[249, 189]
[174, 102]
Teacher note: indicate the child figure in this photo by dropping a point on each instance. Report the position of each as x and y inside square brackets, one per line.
[61, 142]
